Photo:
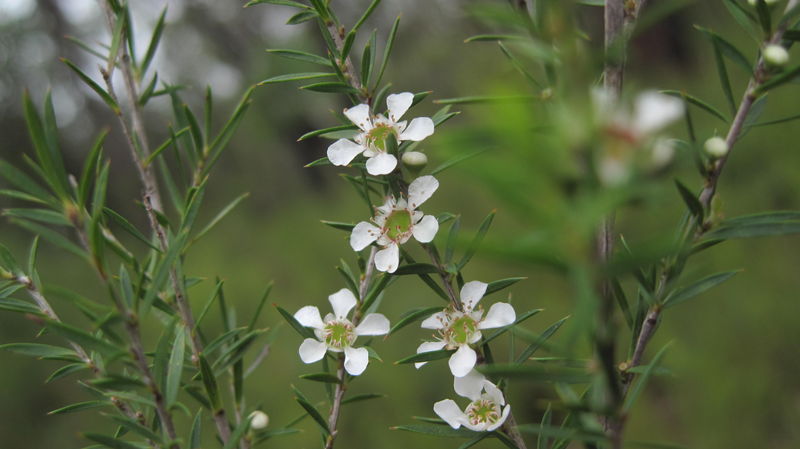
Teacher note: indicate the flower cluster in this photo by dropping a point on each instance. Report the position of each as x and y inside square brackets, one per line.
[458, 327]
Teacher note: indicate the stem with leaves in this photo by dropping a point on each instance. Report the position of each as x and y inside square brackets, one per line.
[341, 387]
[138, 146]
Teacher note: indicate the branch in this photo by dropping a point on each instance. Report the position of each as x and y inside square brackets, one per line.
[139, 149]
[341, 387]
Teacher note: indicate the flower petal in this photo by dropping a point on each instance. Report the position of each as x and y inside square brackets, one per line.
[343, 151]
[470, 386]
[418, 129]
[359, 115]
[342, 302]
[426, 229]
[500, 314]
[471, 293]
[309, 316]
[355, 360]
[462, 362]
[506, 412]
[449, 411]
[382, 164]
[388, 258]
[363, 234]
[312, 350]
[435, 321]
[421, 189]
[398, 104]
[654, 110]
[373, 324]
[428, 346]
[493, 392]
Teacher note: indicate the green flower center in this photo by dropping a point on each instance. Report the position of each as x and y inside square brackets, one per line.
[378, 136]
[483, 411]
[338, 334]
[461, 330]
[397, 223]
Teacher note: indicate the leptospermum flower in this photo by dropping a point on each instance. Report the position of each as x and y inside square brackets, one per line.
[375, 131]
[395, 222]
[485, 413]
[652, 112]
[337, 333]
[458, 329]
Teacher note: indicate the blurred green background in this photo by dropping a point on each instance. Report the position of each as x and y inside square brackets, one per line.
[734, 358]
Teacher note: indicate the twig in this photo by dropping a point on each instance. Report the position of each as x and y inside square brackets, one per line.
[709, 190]
[341, 387]
[45, 307]
[137, 142]
[346, 65]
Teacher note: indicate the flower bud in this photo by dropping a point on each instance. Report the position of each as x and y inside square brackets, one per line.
[775, 55]
[716, 147]
[415, 159]
[258, 420]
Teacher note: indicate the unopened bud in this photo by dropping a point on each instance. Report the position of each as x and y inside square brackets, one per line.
[716, 147]
[415, 160]
[258, 420]
[775, 55]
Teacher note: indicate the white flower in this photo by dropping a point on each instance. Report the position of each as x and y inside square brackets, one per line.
[625, 131]
[484, 414]
[375, 130]
[395, 222]
[458, 329]
[337, 333]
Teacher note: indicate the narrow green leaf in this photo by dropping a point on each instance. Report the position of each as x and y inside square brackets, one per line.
[388, 50]
[494, 38]
[196, 435]
[40, 351]
[728, 49]
[19, 179]
[415, 268]
[296, 77]
[438, 431]
[84, 339]
[303, 16]
[330, 87]
[533, 347]
[321, 377]
[42, 215]
[111, 442]
[362, 397]
[210, 383]
[303, 331]
[537, 373]
[476, 241]
[348, 227]
[690, 291]
[697, 102]
[130, 228]
[691, 201]
[175, 366]
[504, 329]
[154, 40]
[426, 356]
[320, 132]
[300, 56]
[366, 15]
[89, 171]
[488, 99]
[94, 86]
[496, 286]
[220, 215]
[65, 371]
[783, 77]
[642, 381]
[314, 414]
[412, 316]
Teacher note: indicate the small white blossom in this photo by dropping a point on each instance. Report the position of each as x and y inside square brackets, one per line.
[337, 333]
[716, 147]
[258, 420]
[375, 130]
[485, 413]
[626, 131]
[458, 329]
[776, 55]
[395, 222]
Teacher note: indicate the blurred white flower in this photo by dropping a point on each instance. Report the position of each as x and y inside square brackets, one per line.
[395, 222]
[458, 329]
[375, 131]
[485, 413]
[337, 333]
